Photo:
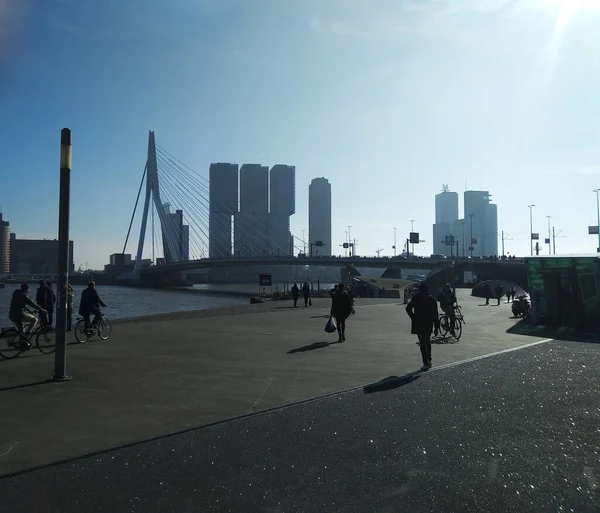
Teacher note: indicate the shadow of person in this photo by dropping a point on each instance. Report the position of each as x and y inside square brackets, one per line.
[390, 383]
[311, 347]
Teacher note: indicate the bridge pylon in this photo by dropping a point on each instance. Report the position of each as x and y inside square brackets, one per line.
[170, 244]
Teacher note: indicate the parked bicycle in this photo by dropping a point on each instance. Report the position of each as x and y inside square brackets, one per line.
[458, 324]
[103, 329]
[14, 342]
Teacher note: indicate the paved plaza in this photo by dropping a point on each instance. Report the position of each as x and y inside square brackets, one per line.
[175, 372]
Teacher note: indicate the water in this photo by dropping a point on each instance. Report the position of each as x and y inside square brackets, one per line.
[126, 302]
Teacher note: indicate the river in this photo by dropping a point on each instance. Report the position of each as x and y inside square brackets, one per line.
[123, 302]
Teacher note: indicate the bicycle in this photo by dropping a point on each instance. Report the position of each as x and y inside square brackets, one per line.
[12, 346]
[103, 329]
[458, 324]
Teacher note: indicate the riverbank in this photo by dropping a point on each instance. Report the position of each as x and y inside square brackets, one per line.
[166, 373]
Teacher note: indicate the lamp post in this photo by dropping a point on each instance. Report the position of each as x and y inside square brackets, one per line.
[60, 357]
[394, 241]
[351, 248]
[471, 245]
[531, 228]
[598, 210]
[346, 248]
[549, 236]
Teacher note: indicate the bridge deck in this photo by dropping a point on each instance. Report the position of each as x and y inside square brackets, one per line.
[172, 372]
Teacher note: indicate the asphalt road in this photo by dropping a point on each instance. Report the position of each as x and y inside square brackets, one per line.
[515, 432]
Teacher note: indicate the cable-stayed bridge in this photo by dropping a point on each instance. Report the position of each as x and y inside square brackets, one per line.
[177, 209]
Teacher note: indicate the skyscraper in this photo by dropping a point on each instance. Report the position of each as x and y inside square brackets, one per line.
[477, 229]
[251, 229]
[282, 205]
[319, 217]
[4, 246]
[446, 222]
[223, 199]
[481, 217]
[176, 237]
[446, 206]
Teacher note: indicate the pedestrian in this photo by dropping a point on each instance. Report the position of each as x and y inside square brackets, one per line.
[423, 311]
[51, 308]
[306, 293]
[341, 307]
[295, 295]
[43, 298]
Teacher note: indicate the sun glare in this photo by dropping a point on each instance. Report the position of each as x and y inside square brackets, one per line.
[568, 9]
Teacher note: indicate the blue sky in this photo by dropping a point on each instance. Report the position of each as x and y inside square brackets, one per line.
[388, 99]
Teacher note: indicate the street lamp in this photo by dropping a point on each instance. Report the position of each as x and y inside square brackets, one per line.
[549, 236]
[350, 241]
[531, 228]
[598, 209]
[346, 248]
[394, 241]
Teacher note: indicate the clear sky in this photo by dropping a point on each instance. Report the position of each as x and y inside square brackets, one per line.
[388, 99]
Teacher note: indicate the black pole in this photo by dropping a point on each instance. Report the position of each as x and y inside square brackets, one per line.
[60, 361]
[471, 245]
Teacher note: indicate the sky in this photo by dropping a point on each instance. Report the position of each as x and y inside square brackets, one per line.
[388, 99]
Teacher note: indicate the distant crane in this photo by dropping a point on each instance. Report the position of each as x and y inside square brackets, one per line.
[379, 250]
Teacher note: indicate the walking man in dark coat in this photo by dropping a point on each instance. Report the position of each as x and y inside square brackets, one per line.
[423, 311]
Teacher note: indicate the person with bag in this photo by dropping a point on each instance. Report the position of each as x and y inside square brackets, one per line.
[306, 294]
[341, 307]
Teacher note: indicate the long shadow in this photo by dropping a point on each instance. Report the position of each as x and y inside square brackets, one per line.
[25, 385]
[320, 317]
[311, 347]
[391, 383]
[284, 307]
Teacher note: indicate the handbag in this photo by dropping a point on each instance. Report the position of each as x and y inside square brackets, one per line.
[331, 326]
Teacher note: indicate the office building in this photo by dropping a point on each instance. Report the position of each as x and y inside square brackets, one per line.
[36, 256]
[223, 205]
[4, 246]
[319, 217]
[446, 206]
[175, 237]
[477, 229]
[251, 225]
[282, 186]
[481, 218]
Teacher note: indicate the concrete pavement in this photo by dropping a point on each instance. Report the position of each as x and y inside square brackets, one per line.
[178, 371]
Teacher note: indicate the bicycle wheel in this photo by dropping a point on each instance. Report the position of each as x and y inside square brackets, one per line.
[9, 344]
[104, 329]
[81, 333]
[458, 328]
[45, 341]
[443, 326]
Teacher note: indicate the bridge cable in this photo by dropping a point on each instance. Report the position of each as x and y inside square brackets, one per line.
[239, 219]
[135, 208]
[186, 178]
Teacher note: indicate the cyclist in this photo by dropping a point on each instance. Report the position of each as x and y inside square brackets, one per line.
[19, 314]
[90, 304]
[448, 303]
